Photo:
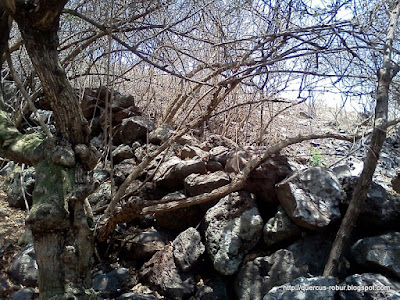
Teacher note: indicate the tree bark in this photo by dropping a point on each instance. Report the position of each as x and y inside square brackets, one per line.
[63, 239]
[39, 26]
[385, 76]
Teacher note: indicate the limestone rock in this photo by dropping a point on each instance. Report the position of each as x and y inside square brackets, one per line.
[312, 252]
[132, 129]
[284, 292]
[122, 152]
[161, 134]
[162, 274]
[384, 288]
[379, 253]
[280, 229]
[262, 180]
[196, 184]
[258, 276]
[23, 294]
[24, 269]
[220, 154]
[171, 173]
[190, 152]
[215, 289]
[145, 244]
[187, 249]
[380, 212]
[113, 283]
[232, 227]
[311, 198]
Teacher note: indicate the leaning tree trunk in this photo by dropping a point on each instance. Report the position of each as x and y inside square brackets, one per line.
[63, 239]
[385, 76]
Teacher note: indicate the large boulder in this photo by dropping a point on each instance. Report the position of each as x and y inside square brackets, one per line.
[24, 269]
[314, 288]
[232, 227]
[132, 129]
[380, 212]
[162, 274]
[113, 283]
[172, 173]
[311, 197]
[262, 180]
[258, 276]
[219, 154]
[312, 252]
[187, 249]
[179, 219]
[369, 286]
[280, 229]
[161, 134]
[122, 152]
[379, 253]
[196, 184]
[144, 245]
[190, 152]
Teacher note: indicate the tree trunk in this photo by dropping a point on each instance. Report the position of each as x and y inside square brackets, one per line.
[385, 76]
[63, 240]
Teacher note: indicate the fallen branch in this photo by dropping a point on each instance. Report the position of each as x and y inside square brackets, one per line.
[134, 209]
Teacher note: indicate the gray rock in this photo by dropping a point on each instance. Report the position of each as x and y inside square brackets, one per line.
[161, 134]
[161, 274]
[258, 276]
[214, 166]
[102, 196]
[113, 283]
[314, 288]
[219, 140]
[262, 180]
[189, 152]
[312, 252]
[24, 269]
[132, 129]
[215, 289]
[342, 171]
[311, 198]
[220, 154]
[145, 244]
[232, 227]
[196, 184]
[187, 139]
[369, 286]
[142, 151]
[280, 229]
[23, 294]
[187, 249]
[123, 170]
[122, 152]
[380, 212]
[19, 184]
[379, 253]
[171, 174]
[133, 296]
[100, 175]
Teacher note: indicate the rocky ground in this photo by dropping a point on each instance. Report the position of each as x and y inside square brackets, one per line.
[268, 241]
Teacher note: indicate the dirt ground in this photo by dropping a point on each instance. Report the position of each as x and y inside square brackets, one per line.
[12, 226]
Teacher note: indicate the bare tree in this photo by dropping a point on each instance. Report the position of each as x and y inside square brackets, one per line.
[199, 60]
